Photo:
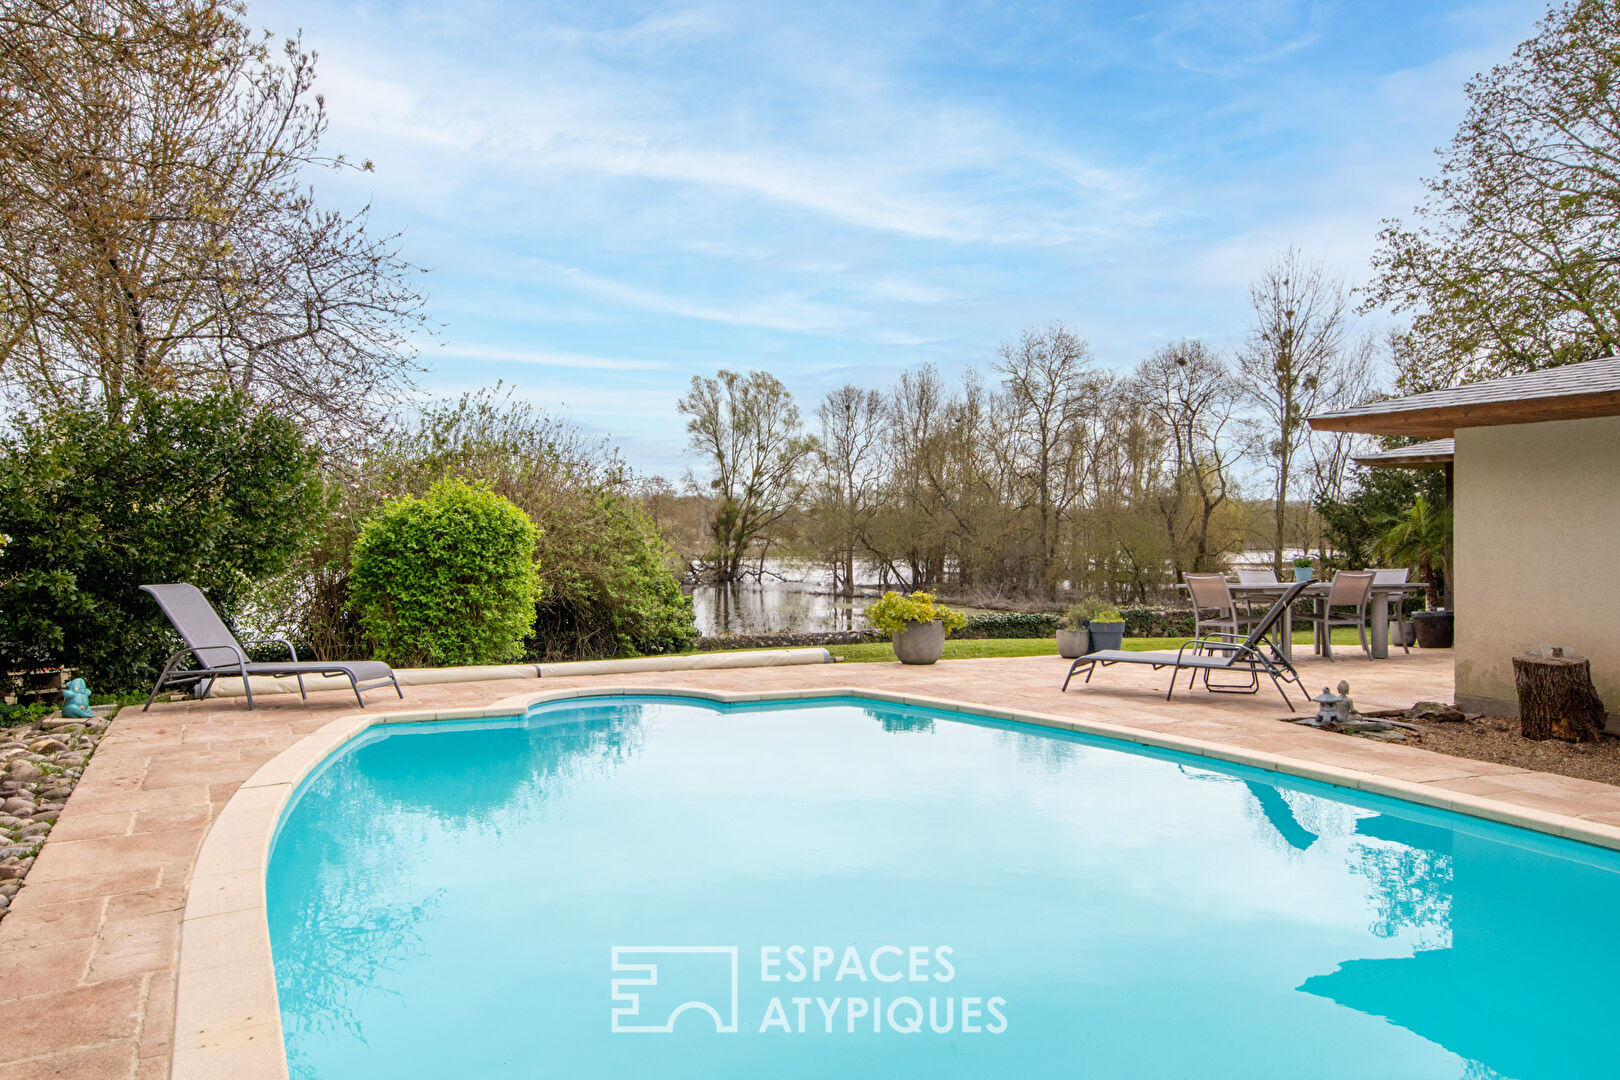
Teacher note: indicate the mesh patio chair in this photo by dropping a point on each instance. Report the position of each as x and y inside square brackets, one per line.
[1211, 593]
[1255, 577]
[1351, 589]
[1394, 576]
[1256, 654]
[218, 653]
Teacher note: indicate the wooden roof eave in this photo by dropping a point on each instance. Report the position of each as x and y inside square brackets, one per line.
[1443, 421]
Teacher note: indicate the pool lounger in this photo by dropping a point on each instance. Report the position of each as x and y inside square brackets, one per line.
[219, 654]
[1214, 652]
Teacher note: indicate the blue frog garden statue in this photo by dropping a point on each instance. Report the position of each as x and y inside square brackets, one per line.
[76, 701]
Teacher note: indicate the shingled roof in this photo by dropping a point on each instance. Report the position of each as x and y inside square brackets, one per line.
[1572, 392]
[1424, 455]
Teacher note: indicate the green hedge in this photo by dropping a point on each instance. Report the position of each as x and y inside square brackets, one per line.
[1009, 624]
[607, 587]
[447, 579]
[1157, 622]
[205, 490]
[1139, 622]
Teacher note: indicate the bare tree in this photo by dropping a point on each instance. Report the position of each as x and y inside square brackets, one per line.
[155, 230]
[1330, 453]
[910, 544]
[747, 429]
[848, 457]
[1292, 365]
[1187, 389]
[1048, 377]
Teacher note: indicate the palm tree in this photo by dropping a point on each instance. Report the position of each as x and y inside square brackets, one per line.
[1418, 538]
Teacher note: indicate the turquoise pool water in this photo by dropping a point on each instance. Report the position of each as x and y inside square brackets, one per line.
[866, 890]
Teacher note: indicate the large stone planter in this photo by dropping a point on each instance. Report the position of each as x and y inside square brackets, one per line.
[920, 643]
[1435, 629]
[1073, 643]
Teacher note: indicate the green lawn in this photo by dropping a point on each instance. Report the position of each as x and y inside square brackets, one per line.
[973, 649]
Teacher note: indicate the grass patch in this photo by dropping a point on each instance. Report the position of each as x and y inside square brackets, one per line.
[964, 649]
[981, 648]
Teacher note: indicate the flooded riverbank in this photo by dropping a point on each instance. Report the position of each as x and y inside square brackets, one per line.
[789, 598]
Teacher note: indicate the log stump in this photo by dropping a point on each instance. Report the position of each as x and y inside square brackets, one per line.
[1556, 698]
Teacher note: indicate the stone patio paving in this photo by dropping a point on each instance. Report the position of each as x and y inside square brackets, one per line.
[88, 953]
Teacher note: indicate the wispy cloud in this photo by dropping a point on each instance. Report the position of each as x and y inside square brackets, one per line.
[616, 198]
[543, 358]
[1227, 37]
[781, 312]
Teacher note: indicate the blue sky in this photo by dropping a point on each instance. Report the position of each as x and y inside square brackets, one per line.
[614, 197]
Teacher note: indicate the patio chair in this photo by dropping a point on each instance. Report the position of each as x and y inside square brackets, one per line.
[1351, 589]
[1215, 652]
[1394, 576]
[1210, 592]
[218, 653]
[1255, 577]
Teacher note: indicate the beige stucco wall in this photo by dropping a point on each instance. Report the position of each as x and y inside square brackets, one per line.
[1537, 553]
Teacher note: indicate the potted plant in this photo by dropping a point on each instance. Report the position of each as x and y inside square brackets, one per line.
[916, 625]
[1405, 633]
[1073, 635]
[1419, 539]
[1302, 568]
[1107, 629]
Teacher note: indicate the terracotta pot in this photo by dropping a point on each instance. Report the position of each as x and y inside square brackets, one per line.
[1435, 629]
[1073, 643]
[920, 643]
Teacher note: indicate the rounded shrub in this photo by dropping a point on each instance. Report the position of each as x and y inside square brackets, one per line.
[448, 578]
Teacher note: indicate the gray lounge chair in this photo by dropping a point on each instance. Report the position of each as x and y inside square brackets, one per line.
[218, 653]
[1215, 652]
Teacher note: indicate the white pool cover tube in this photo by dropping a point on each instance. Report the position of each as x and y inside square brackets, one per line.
[741, 658]
[695, 662]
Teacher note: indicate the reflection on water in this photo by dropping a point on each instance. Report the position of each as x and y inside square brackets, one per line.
[443, 901]
[348, 911]
[773, 606]
[1511, 984]
[790, 597]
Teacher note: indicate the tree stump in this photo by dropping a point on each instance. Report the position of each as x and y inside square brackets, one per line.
[1556, 698]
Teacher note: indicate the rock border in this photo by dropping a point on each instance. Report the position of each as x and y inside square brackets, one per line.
[40, 765]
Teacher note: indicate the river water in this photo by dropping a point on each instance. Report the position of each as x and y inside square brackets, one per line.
[790, 597]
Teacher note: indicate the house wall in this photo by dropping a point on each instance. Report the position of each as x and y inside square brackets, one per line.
[1537, 554]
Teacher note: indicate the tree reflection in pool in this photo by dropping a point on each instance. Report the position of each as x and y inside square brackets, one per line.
[445, 901]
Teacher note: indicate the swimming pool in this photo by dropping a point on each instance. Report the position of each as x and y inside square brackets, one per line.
[664, 887]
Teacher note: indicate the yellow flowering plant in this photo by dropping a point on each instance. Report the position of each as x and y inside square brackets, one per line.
[895, 611]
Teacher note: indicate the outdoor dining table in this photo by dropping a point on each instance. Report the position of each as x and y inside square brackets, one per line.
[1378, 605]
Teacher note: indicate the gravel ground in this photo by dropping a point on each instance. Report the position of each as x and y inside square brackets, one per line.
[1497, 738]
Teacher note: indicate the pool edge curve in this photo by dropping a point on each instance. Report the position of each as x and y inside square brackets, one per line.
[227, 1019]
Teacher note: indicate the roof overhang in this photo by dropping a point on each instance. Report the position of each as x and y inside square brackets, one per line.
[1442, 422]
[1436, 454]
[1582, 391]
